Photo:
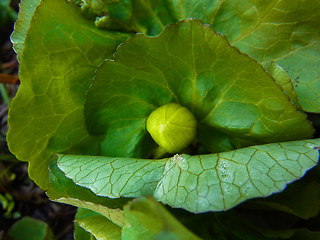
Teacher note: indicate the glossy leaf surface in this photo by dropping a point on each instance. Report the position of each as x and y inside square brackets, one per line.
[229, 93]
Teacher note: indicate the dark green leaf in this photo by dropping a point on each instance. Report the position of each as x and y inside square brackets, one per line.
[229, 93]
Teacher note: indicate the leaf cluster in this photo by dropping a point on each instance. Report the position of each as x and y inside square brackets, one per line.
[93, 71]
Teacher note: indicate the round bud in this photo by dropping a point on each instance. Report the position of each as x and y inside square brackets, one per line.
[172, 127]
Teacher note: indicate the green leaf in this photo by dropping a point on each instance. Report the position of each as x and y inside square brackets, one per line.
[229, 93]
[7, 204]
[147, 219]
[31, 229]
[200, 183]
[284, 31]
[57, 65]
[97, 225]
[64, 190]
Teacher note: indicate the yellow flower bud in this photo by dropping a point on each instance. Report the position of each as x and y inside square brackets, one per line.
[172, 127]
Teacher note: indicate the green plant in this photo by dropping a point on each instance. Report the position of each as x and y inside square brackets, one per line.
[90, 80]
[32, 229]
[7, 203]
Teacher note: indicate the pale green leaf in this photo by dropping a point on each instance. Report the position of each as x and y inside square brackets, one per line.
[200, 183]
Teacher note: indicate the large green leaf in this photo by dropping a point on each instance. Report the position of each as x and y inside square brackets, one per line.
[284, 31]
[59, 58]
[200, 183]
[147, 219]
[234, 100]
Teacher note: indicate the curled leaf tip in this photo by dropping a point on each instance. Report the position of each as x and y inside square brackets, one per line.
[172, 127]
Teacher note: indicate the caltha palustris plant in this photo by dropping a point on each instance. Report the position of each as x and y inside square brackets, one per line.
[198, 105]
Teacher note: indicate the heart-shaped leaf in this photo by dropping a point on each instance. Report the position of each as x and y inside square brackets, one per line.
[235, 101]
